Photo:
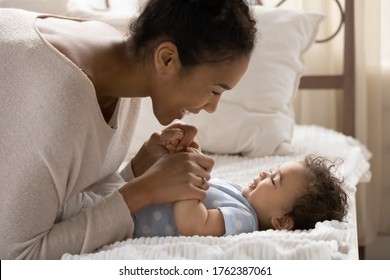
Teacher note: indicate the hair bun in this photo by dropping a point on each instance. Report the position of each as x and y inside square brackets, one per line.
[198, 29]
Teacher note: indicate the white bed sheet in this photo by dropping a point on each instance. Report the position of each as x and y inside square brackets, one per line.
[328, 240]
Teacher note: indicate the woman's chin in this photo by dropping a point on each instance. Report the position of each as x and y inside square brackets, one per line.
[180, 115]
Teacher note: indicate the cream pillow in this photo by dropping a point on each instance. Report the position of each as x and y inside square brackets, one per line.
[256, 118]
[118, 16]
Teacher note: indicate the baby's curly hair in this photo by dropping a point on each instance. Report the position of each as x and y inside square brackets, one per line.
[325, 198]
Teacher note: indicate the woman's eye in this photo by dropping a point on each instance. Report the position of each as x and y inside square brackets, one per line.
[215, 93]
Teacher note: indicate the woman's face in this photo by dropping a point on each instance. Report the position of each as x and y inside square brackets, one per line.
[199, 89]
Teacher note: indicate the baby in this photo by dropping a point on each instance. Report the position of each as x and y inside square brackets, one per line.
[295, 196]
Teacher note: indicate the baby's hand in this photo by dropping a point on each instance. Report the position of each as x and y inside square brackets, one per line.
[193, 150]
[171, 138]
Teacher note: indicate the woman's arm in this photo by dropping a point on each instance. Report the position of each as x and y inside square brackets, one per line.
[192, 218]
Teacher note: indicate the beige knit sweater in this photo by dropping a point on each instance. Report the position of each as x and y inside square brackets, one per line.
[54, 143]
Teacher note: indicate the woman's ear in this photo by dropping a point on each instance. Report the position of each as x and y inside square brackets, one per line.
[284, 222]
[166, 59]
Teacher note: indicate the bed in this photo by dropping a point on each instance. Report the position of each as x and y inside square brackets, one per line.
[265, 96]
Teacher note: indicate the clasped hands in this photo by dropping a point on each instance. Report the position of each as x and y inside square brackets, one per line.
[170, 167]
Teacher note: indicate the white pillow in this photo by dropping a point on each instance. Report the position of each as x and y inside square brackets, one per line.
[118, 16]
[256, 118]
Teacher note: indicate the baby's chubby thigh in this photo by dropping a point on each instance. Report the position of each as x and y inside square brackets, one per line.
[156, 220]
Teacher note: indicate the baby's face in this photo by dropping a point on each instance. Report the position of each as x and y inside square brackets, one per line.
[273, 193]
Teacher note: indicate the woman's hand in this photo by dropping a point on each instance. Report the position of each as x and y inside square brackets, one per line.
[154, 148]
[175, 176]
[150, 152]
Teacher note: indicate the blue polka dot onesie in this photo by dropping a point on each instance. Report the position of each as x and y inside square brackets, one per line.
[239, 216]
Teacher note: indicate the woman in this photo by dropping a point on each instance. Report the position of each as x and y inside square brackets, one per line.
[70, 97]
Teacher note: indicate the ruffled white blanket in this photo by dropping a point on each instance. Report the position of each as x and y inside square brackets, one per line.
[328, 240]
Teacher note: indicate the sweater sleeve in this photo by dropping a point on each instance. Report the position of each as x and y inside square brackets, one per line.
[101, 227]
[28, 213]
[127, 172]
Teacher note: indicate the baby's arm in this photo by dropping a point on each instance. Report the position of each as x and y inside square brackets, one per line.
[191, 216]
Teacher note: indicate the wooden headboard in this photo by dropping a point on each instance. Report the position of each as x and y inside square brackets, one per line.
[346, 80]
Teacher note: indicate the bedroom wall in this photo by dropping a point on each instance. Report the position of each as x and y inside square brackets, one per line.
[380, 247]
[373, 56]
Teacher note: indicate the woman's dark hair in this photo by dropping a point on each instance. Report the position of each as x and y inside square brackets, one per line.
[325, 198]
[204, 31]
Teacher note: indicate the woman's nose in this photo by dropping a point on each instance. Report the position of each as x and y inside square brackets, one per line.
[212, 105]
